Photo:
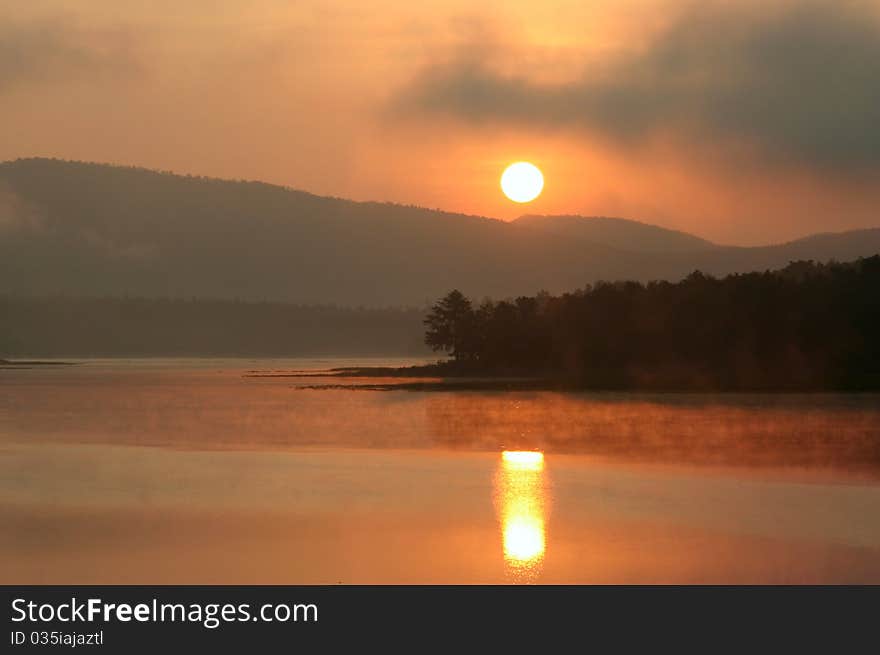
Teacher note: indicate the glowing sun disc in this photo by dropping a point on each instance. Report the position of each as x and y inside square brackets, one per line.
[522, 181]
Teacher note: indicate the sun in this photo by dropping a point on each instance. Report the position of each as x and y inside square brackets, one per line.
[522, 181]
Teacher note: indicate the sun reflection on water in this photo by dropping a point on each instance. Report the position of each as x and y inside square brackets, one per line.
[520, 493]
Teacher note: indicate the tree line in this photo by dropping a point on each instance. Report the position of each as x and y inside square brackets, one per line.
[62, 326]
[808, 326]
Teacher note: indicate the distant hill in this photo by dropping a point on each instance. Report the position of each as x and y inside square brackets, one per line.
[617, 232]
[97, 230]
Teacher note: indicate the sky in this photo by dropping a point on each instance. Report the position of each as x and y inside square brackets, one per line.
[742, 122]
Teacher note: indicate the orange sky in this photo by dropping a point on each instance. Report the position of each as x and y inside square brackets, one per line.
[308, 94]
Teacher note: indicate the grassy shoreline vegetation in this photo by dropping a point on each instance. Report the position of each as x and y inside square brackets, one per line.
[808, 327]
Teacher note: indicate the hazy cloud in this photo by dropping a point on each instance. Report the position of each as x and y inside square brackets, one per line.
[57, 50]
[800, 82]
[16, 214]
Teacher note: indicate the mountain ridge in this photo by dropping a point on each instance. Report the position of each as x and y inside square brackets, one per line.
[87, 229]
[614, 231]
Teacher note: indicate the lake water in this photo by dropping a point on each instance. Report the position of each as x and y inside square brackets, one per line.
[215, 471]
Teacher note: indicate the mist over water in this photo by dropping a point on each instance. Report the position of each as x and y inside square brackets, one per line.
[190, 471]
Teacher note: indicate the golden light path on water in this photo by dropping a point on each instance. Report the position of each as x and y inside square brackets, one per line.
[521, 498]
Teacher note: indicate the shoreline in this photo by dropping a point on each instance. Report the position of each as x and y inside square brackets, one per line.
[17, 363]
[441, 377]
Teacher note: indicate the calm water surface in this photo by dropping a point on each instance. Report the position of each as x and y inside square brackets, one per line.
[193, 471]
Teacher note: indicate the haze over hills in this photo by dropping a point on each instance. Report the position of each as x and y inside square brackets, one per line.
[617, 232]
[97, 230]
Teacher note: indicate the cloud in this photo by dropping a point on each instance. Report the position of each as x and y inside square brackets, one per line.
[799, 82]
[16, 214]
[50, 51]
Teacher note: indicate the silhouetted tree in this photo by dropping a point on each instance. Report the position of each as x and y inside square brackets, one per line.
[451, 326]
[807, 326]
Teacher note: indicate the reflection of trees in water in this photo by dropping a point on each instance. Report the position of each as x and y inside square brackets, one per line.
[753, 430]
